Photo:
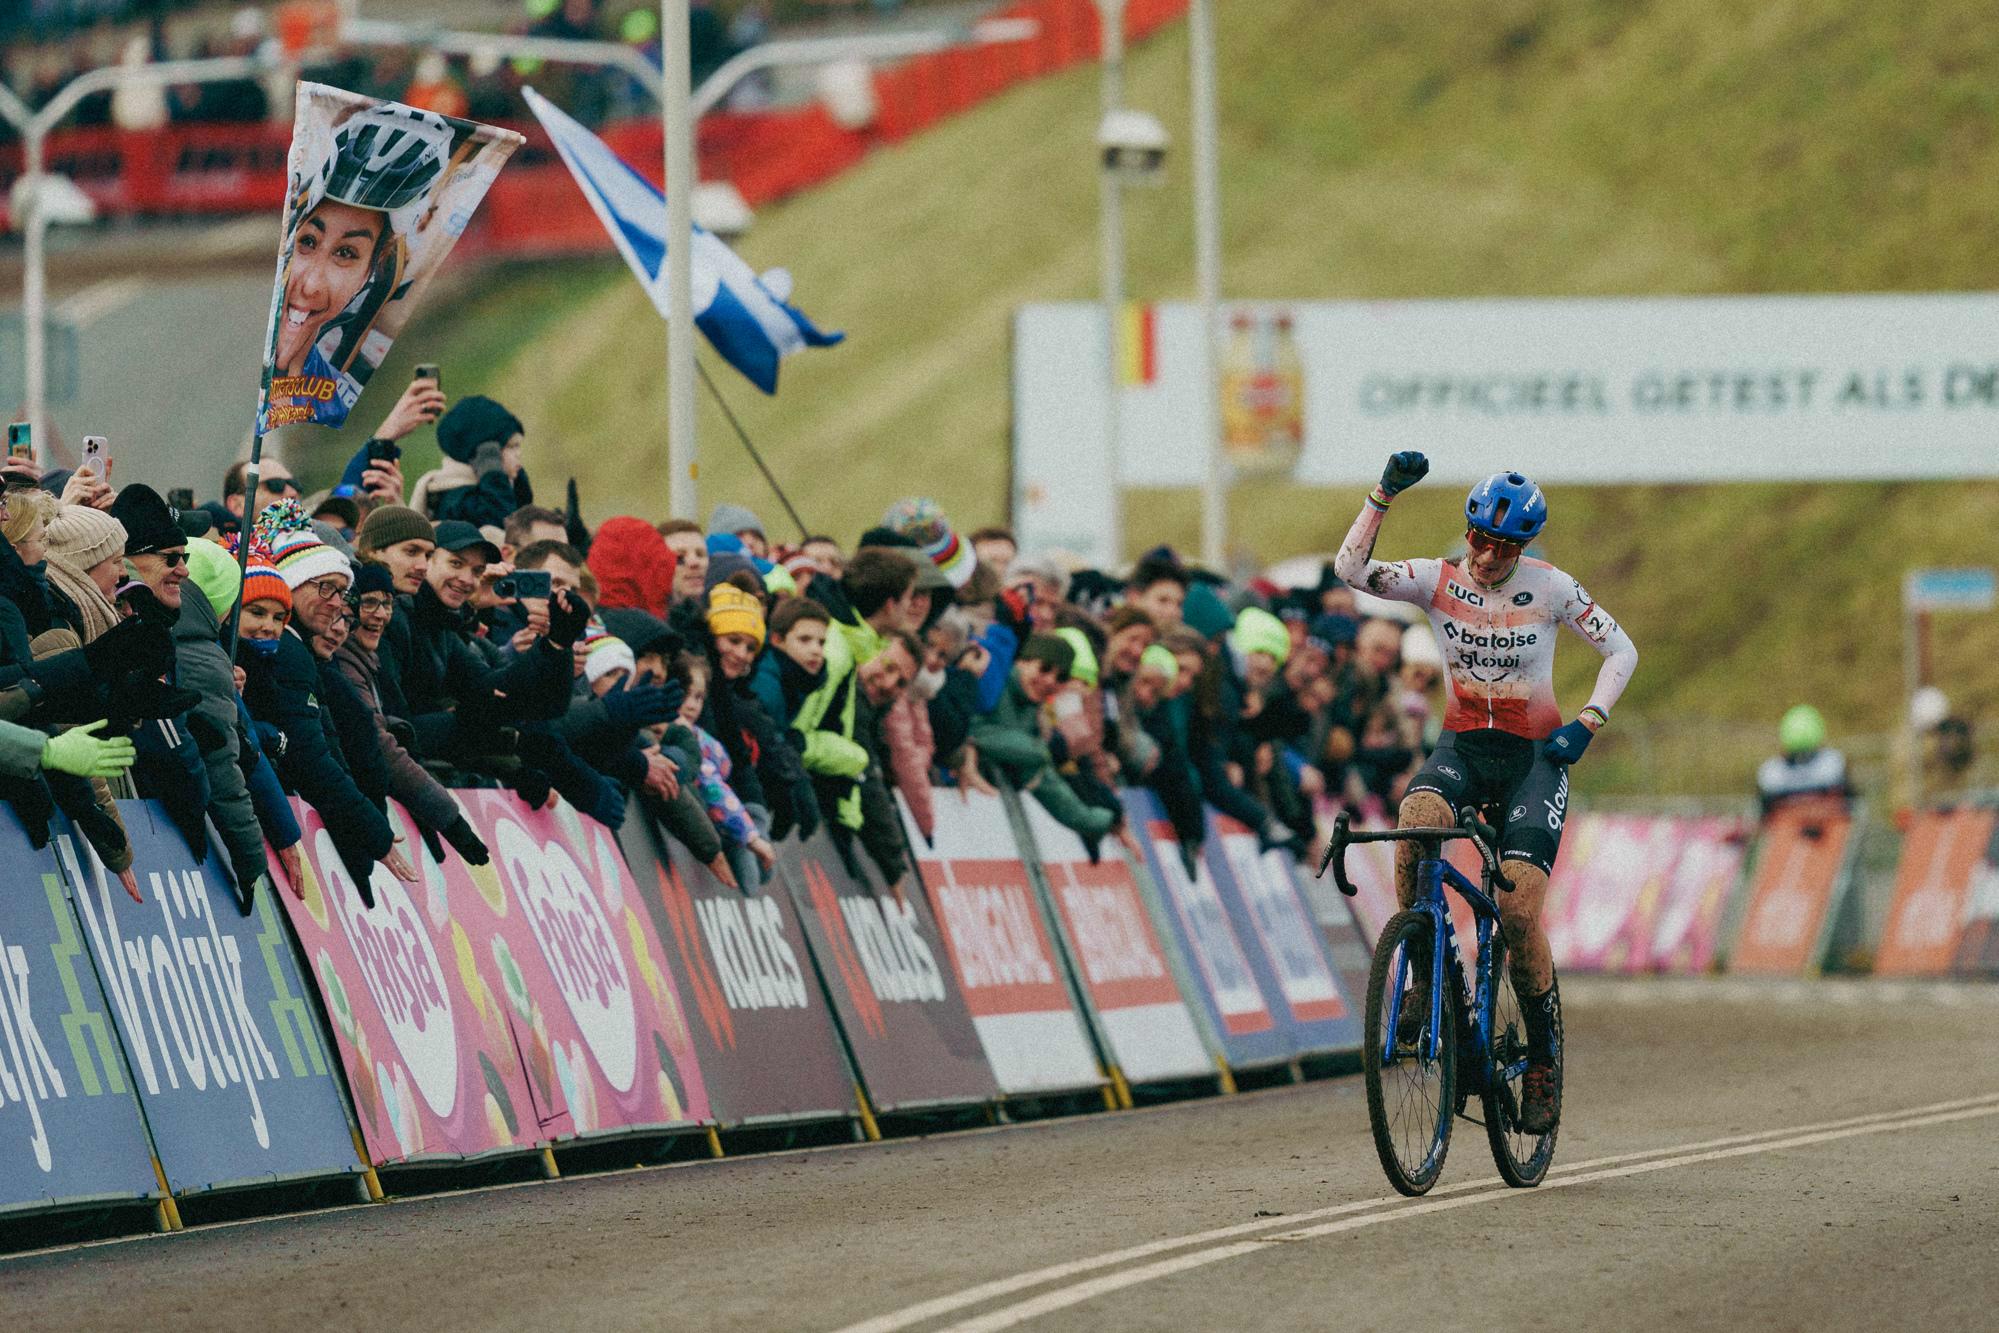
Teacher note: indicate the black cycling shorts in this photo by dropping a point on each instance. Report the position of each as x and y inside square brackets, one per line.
[1496, 768]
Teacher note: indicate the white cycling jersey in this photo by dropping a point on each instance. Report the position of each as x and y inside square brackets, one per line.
[1499, 643]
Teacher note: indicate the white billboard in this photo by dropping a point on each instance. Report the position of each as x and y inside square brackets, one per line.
[1682, 389]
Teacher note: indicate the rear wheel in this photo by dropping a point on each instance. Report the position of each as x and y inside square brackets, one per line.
[1522, 1158]
[1410, 1098]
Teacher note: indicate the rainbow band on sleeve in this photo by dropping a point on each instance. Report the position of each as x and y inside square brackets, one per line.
[1602, 718]
[1378, 498]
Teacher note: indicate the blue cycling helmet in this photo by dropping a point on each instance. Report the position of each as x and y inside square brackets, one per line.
[1508, 506]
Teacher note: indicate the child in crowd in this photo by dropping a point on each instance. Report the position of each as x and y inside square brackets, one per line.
[783, 678]
[1013, 744]
[749, 852]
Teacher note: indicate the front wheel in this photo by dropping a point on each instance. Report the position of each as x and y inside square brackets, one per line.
[1410, 1099]
[1522, 1158]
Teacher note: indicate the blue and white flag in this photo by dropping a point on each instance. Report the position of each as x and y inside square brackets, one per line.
[745, 317]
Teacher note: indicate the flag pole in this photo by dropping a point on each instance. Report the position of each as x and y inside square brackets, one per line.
[249, 519]
[804, 533]
[676, 105]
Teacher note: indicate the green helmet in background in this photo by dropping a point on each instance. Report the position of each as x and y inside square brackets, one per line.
[1802, 730]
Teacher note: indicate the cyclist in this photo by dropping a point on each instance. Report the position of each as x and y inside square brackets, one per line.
[1504, 741]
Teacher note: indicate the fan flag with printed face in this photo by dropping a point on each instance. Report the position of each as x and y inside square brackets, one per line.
[378, 194]
[744, 317]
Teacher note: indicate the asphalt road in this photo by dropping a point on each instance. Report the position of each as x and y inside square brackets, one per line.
[1813, 1156]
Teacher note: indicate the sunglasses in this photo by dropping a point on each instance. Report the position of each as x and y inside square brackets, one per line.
[1485, 544]
[172, 559]
[280, 485]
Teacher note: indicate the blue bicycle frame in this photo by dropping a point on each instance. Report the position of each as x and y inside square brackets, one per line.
[1432, 874]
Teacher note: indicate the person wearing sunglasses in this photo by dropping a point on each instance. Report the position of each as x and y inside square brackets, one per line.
[1504, 744]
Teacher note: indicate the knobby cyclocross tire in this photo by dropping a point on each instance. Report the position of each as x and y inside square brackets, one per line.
[1522, 1158]
[1410, 1103]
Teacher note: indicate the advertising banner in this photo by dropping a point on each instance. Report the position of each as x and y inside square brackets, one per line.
[1717, 388]
[1978, 944]
[422, 1019]
[377, 194]
[1244, 1021]
[1942, 855]
[765, 1038]
[998, 944]
[1801, 869]
[1261, 892]
[1607, 885]
[1686, 926]
[1139, 1008]
[213, 1014]
[885, 968]
[592, 1008]
[70, 1130]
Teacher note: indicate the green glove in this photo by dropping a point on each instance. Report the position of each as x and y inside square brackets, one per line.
[88, 756]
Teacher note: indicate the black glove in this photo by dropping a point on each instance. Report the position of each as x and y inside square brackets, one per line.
[572, 522]
[431, 842]
[1403, 471]
[361, 870]
[247, 875]
[567, 615]
[150, 608]
[532, 786]
[1058, 748]
[470, 846]
[132, 647]
[143, 698]
[645, 705]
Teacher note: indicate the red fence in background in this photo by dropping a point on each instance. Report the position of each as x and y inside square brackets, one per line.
[533, 208]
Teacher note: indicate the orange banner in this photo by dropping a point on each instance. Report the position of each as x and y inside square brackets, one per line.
[1798, 872]
[1941, 857]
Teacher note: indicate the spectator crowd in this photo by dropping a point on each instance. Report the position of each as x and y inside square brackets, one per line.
[397, 637]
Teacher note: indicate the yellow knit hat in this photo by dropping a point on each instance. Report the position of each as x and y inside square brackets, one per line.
[733, 611]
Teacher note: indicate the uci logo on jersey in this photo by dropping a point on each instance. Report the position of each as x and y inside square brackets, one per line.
[1522, 598]
[1465, 595]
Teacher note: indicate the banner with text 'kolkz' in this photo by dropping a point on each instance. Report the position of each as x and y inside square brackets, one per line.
[1013, 981]
[70, 1130]
[760, 1021]
[884, 966]
[216, 1023]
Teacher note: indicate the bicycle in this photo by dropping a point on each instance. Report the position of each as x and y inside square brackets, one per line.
[1413, 1135]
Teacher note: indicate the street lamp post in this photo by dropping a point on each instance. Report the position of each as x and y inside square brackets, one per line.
[1110, 230]
[34, 131]
[1208, 275]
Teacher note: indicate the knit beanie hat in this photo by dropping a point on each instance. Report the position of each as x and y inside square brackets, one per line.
[1331, 629]
[605, 653]
[924, 523]
[1085, 666]
[263, 583]
[213, 570]
[151, 525]
[733, 611]
[731, 519]
[1158, 657]
[633, 564]
[84, 536]
[392, 525]
[472, 422]
[296, 550]
[1257, 631]
[1204, 612]
[371, 577]
[725, 563]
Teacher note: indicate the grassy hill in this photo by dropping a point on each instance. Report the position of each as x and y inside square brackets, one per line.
[1597, 147]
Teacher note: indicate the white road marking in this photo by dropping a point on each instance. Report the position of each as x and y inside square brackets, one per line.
[1064, 1297]
[986, 1291]
[94, 302]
